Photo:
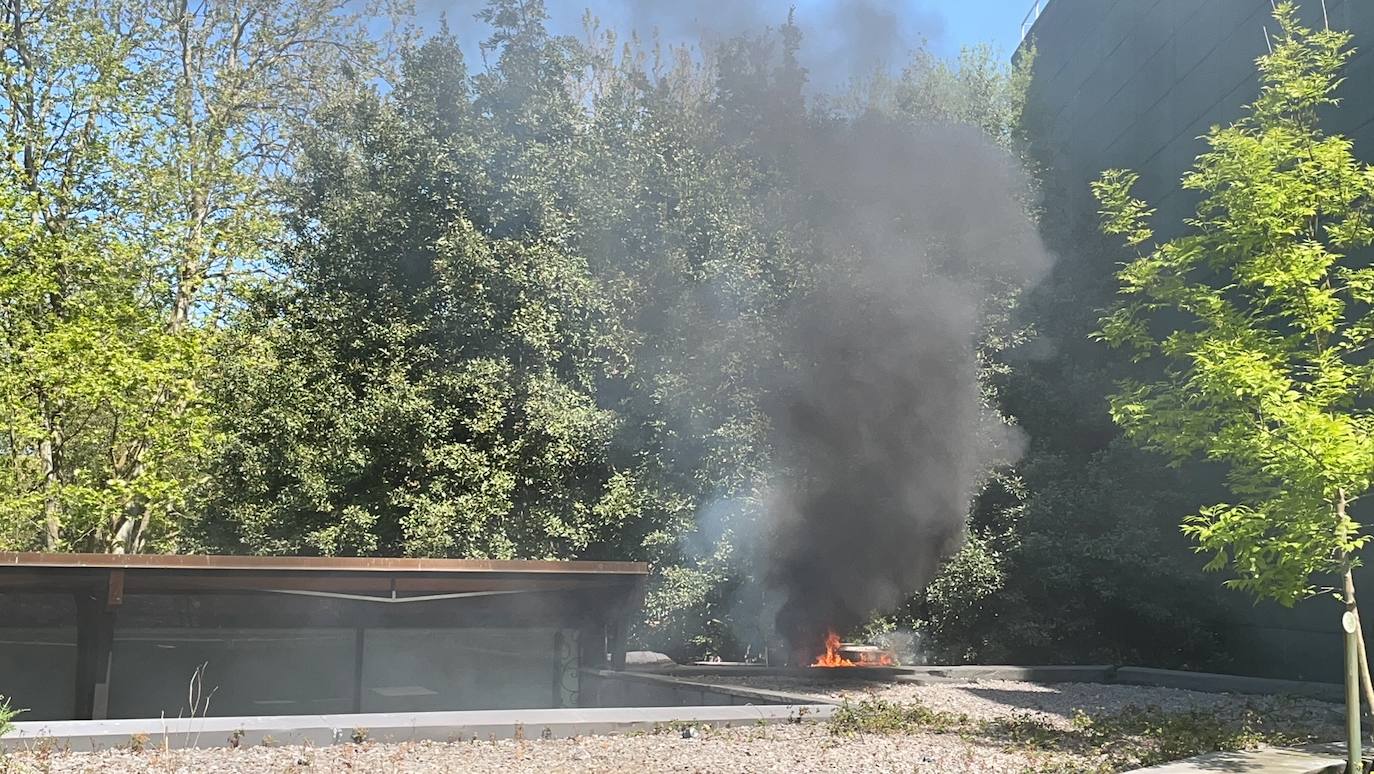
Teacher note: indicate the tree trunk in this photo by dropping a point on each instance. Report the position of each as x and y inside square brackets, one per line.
[49, 456]
[52, 517]
[1365, 682]
[1350, 628]
[1356, 665]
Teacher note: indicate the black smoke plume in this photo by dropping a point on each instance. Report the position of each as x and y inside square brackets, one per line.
[881, 432]
[882, 427]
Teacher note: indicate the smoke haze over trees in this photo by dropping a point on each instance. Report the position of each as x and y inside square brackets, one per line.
[586, 298]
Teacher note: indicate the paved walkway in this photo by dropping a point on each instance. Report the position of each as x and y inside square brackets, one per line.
[1265, 761]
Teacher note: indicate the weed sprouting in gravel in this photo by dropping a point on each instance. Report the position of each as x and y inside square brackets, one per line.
[1145, 736]
[1132, 737]
[7, 715]
[878, 716]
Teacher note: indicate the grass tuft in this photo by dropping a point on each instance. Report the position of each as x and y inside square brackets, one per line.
[877, 716]
[7, 715]
[1134, 737]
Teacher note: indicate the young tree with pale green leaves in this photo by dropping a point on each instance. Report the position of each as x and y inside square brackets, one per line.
[144, 148]
[1263, 312]
[93, 385]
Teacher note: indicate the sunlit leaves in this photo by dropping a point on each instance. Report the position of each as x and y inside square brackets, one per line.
[149, 141]
[1263, 315]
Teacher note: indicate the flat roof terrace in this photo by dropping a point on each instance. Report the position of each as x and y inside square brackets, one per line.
[90, 636]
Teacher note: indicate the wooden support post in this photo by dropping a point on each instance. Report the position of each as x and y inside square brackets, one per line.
[95, 620]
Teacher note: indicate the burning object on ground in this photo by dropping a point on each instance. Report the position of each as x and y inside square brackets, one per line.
[849, 654]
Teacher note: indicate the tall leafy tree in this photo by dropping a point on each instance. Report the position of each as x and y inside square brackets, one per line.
[94, 451]
[144, 145]
[428, 384]
[1263, 313]
[688, 209]
[228, 84]
[1077, 545]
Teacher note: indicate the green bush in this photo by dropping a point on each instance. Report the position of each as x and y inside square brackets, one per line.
[878, 716]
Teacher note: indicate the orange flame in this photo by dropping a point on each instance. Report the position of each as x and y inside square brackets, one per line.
[885, 659]
[832, 657]
[866, 657]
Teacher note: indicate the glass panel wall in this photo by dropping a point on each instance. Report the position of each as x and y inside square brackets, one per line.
[158, 672]
[38, 670]
[461, 669]
[174, 655]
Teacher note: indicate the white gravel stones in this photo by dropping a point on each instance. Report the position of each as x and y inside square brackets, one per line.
[774, 749]
[744, 750]
[1052, 703]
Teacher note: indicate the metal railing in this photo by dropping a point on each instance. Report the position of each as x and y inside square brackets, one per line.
[1031, 16]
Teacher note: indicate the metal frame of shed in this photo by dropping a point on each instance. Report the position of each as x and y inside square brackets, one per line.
[606, 593]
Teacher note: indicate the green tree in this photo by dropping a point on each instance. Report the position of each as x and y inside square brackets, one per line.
[145, 145]
[99, 427]
[425, 386]
[1262, 313]
[227, 85]
[681, 208]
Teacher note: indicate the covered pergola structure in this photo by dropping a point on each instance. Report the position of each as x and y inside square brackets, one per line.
[92, 636]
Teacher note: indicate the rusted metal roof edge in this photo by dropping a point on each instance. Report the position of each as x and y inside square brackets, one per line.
[314, 563]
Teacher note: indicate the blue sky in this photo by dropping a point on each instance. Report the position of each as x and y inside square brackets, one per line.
[841, 34]
[976, 21]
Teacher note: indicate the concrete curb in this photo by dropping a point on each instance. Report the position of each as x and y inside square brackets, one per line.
[319, 730]
[1033, 674]
[1216, 683]
[750, 695]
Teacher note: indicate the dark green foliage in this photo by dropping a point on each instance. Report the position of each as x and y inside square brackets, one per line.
[1075, 556]
[1090, 573]
[425, 386]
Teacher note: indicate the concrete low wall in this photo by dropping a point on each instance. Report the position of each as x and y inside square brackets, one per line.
[1102, 673]
[606, 688]
[317, 730]
[1031, 674]
[1215, 683]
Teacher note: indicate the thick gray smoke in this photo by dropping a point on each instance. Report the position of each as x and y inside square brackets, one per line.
[882, 428]
[881, 435]
[881, 431]
[845, 39]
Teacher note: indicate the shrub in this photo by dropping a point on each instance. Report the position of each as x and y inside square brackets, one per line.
[877, 716]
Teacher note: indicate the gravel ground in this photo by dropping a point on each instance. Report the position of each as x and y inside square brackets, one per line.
[1054, 704]
[805, 748]
[809, 747]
